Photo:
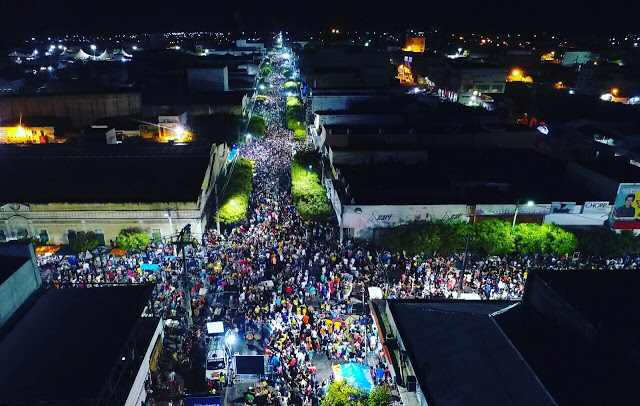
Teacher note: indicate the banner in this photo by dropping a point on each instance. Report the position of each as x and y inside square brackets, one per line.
[596, 208]
[360, 217]
[203, 401]
[562, 207]
[510, 209]
[626, 207]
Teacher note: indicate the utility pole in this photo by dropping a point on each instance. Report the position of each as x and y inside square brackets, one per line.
[464, 264]
[183, 240]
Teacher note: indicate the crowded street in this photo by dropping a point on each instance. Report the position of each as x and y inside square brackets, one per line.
[285, 287]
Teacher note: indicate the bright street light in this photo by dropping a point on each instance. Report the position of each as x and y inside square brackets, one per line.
[179, 130]
[230, 339]
[93, 47]
[530, 203]
[135, 48]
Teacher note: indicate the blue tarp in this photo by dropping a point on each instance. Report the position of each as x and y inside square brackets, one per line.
[149, 267]
[202, 401]
[357, 375]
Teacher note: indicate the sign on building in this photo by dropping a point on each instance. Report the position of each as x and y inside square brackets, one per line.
[596, 208]
[562, 207]
[360, 217]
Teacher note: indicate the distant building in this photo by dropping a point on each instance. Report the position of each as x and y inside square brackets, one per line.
[414, 44]
[63, 189]
[208, 79]
[568, 342]
[83, 109]
[344, 67]
[572, 58]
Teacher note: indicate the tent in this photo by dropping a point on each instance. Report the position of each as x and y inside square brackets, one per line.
[149, 267]
[118, 251]
[354, 374]
[47, 249]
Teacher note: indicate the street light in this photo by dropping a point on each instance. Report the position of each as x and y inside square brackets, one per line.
[93, 48]
[530, 203]
[230, 339]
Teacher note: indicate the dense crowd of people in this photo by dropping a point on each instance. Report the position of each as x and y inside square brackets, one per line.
[295, 283]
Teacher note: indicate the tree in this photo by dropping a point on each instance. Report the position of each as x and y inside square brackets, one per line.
[133, 239]
[495, 237]
[532, 238]
[256, 126]
[379, 396]
[235, 201]
[562, 242]
[341, 393]
[84, 241]
[308, 193]
[300, 134]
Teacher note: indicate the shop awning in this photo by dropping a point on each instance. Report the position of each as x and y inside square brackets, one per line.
[47, 249]
[118, 251]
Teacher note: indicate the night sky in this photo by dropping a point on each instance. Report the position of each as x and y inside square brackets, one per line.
[22, 18]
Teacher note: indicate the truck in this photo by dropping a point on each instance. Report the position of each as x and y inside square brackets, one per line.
[217, 358]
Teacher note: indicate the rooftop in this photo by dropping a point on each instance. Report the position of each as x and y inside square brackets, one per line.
[66, 345]
[569, 341]
[64, 173]
[9, 265]
[462, 357]
[443, 180]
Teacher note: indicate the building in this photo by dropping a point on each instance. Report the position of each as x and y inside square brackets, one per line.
[19, 277]
[82, 109]
[71, 334]
[568, 342]
[380, 191]
[344, 67]
[572, 58]
[208, 79]
[63, 189]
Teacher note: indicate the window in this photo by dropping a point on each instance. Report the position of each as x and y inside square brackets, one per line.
[71, 234]
[3, 236]
[156, 234]
[43, 235]
[100, 234]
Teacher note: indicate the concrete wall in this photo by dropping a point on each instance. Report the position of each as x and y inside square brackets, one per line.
[369, 119]
[208, 79]
[498, 139]
[344, 102]
[138, 394]
[83, 109]
[15, 290]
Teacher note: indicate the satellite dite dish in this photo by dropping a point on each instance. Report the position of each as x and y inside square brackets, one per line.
[215, 327]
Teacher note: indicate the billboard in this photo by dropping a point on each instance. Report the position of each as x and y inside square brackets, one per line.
[596, 208]
[562, 207]
[510, 209]
[360, 217]
[625, 207]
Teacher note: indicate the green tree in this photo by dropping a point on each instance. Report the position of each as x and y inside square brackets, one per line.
[300, 134]
[562, 242]
[453, 236]
[379, 396]
[235, 202]
[626, 243]
[84, 241]
[341, 393]
[495, 237]
[532, 238]
[256, 126]
[266, 71]
[308, 193]
[133, 239]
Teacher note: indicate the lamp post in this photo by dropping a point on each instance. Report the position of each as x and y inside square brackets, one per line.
[530, 203]
[93, 48]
